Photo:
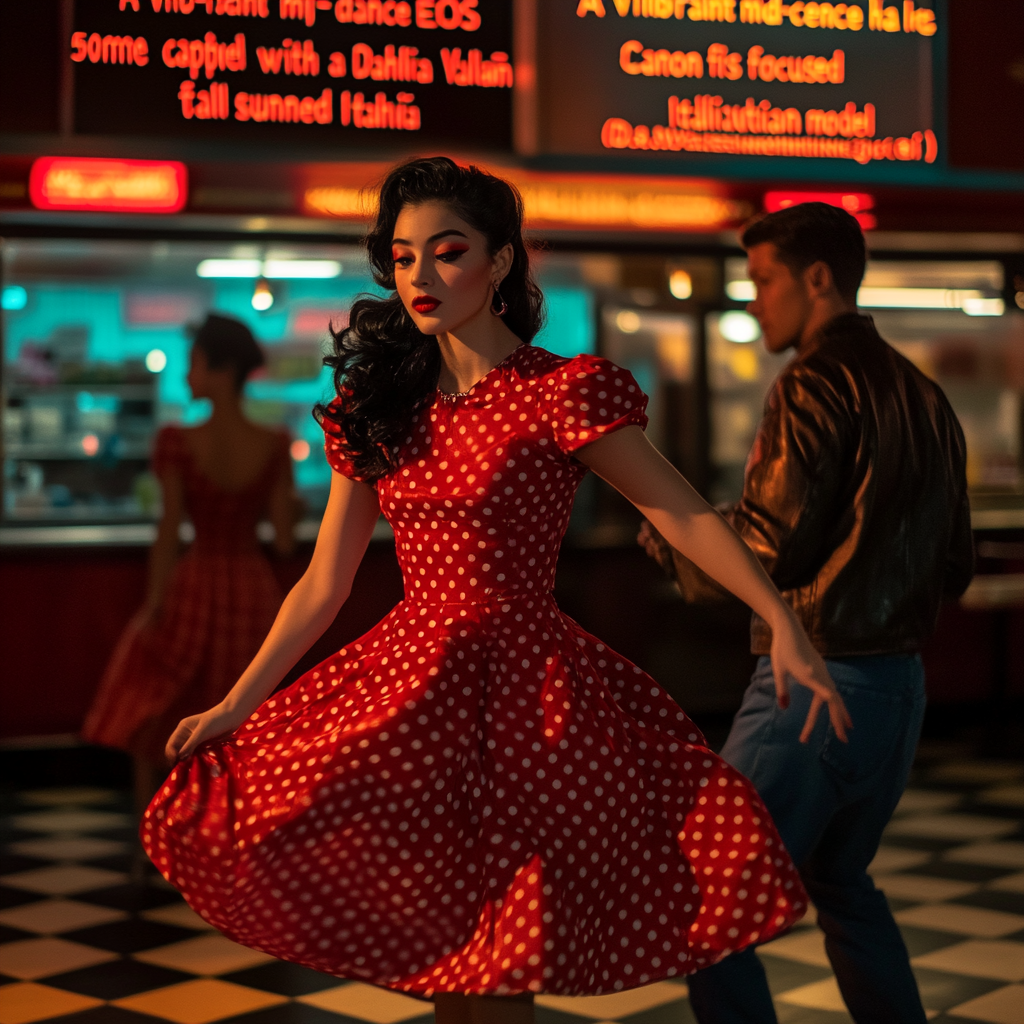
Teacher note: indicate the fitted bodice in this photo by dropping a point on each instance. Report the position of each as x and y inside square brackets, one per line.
[481, 496]
[224, 521]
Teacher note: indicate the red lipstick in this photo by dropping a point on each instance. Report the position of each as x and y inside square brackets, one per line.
[425, 303]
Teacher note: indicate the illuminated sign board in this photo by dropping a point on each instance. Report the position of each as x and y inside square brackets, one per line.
[564, 200]
[759, 79]
[118, 186]
[356, 73]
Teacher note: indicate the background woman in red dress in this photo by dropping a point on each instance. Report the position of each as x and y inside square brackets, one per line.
[477, 800]
[207, 611]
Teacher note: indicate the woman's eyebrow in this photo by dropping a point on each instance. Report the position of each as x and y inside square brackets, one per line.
[432, 238]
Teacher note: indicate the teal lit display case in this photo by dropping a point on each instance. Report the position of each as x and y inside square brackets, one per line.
[96, 348]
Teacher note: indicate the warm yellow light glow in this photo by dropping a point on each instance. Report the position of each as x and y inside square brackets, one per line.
[741, 291]
[680, 284]
[596, 204]
[628, 321]
[262, 296]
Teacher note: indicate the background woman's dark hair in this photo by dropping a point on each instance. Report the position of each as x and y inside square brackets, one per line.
[227, 342]
[383, 365]
[808, 232]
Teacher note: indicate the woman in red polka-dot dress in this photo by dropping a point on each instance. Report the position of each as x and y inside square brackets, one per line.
[477, 800]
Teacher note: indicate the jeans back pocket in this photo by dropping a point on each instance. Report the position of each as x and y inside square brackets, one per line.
[880, 722]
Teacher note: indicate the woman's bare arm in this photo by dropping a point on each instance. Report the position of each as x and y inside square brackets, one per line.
[631, 464]
[308, 610]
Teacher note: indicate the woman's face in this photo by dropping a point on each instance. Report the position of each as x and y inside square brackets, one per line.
[444, 274]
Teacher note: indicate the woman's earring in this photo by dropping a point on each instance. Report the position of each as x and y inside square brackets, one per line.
[502, 308]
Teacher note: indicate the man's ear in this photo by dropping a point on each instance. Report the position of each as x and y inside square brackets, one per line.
[819, 280]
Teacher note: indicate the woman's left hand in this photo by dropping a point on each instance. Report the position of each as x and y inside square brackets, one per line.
[793, 656]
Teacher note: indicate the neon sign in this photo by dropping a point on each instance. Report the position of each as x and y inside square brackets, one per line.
[113, 186]
[296, 71]
[699, 79]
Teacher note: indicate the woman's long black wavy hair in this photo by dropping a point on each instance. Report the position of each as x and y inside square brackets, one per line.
[384, 367]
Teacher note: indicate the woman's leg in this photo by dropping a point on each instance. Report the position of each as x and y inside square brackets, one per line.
[456, 1008]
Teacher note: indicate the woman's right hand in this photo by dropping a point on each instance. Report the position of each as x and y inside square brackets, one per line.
[197, 729]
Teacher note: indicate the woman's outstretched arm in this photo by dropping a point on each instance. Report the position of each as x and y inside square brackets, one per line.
[634, 467]
[308, 610]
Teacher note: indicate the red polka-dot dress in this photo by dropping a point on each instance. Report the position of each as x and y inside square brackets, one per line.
[478, 795]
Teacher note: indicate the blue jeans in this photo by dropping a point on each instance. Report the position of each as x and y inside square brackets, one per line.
[830, 802]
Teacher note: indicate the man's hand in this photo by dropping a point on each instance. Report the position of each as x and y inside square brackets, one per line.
[657, 548]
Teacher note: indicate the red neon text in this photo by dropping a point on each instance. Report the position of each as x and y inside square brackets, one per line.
[297, 58]
[206, 104]
[109, 49]
[495, 73]
[250, 106]
[380, 112]
[197, 54]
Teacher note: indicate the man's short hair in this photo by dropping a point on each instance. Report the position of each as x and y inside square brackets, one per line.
[810, 232]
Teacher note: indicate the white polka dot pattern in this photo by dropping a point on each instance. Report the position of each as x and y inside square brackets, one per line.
[477, 795]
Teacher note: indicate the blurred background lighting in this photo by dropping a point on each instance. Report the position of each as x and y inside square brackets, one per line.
[310, 269]
[274, 268]
[156, 360]
[916, 298]
[984, 307]
[741, 291]
[14, 297]
[680, 284]
[229, 268]
[262, 296]
[740, 328]
[628, 321]
[299, 450]
[90, 445]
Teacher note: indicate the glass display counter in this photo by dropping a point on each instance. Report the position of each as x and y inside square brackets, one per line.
[96, 348]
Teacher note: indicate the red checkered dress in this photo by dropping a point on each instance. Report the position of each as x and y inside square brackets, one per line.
[218, 608]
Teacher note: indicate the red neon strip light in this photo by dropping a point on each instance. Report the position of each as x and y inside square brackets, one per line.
[851, 202]
[112, 186]
[855, 203]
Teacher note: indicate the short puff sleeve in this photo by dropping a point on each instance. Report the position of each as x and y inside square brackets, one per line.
[594, 397]
[168, 450]
[334, 443]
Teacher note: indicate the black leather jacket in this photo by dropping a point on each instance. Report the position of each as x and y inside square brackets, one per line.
[855, 496]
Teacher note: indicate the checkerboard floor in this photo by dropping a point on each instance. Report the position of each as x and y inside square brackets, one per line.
[82, 941]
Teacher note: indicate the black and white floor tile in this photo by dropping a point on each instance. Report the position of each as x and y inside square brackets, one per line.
[83, 941]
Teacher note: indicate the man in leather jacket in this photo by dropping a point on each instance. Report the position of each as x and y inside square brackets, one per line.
[855, 501]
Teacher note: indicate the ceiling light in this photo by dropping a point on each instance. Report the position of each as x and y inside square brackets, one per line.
[301, 268]
[741, 291]
[262, 296]
[739, 328]
[274, 269]
[229, 268]
[680, 284]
